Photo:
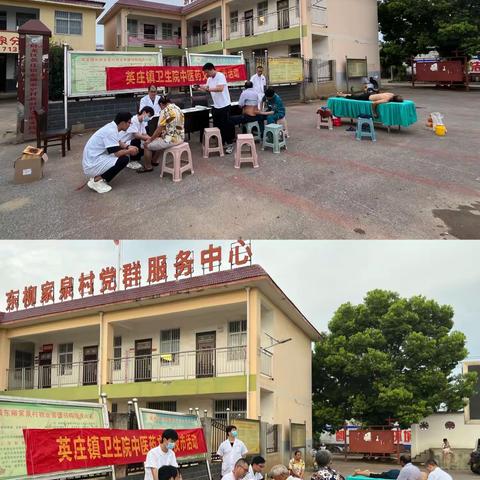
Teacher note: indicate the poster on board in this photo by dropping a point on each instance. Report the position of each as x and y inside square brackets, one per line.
[285, 70]
[86, 75]
[200, 59]
[18, 413]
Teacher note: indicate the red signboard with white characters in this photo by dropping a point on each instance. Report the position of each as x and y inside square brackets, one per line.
[60, 449]
[134, 78]
[404, 437]
[131, 275]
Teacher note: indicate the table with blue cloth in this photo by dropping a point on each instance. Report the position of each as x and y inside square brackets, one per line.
[359, 477]
[402, 114]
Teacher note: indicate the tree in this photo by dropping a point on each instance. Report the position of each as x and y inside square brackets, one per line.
[389, 357]
[411, 27]
[55, 73]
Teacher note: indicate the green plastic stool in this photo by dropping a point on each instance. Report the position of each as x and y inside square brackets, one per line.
[252, 125]
[277, 135]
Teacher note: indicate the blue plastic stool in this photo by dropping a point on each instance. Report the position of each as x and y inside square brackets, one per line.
[250, 126]
[277, 135]
[367, 121]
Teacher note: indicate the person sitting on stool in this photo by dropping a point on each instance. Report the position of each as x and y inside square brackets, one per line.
[275, 108]
[249, 103]
[104, 155]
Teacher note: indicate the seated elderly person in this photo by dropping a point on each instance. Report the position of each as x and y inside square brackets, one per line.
[323, 458]
[249, 103]
[280, 472]
[170, 132]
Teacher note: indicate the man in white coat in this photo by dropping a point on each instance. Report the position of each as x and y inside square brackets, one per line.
[239, 471]
[151, 100]
[231, 450]
[259, 84]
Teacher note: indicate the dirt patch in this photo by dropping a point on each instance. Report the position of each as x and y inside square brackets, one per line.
[463, 222]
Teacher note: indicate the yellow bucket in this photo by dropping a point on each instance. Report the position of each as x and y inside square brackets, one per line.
[440, 130]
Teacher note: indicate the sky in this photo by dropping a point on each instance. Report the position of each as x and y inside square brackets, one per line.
[318, 276]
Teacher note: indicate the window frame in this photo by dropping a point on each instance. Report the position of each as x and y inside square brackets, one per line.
[236, 339]
[117, 359]
[174, 346]
[69, 20]
[264, 13]
[66, 366]
[234, 21]
[169, 28]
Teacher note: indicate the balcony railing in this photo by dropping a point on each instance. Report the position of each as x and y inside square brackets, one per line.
[266, 363]
[151, 40]
[177, 366]
[270, 22]
[204, 38]
[55, 375]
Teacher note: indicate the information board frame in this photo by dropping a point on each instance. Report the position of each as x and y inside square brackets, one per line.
[349, 62]
[286, 81]
[102, 93]
[68, 473]
[240, 423]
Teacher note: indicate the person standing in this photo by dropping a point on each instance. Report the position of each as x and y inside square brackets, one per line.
[217, 86]
[160, 456]
[151, 100]
[231, 450]
[259, 84]
[104, 155]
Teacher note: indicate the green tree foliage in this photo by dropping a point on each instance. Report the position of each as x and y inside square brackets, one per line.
[409, 27]
[55, 73]
[389, 357]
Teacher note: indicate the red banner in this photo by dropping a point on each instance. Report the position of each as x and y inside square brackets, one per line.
[59, 449]
[125, 78]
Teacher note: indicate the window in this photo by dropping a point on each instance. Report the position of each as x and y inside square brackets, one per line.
[167, 31]
[21, 18]
[262, 12]
[168, 406]
[3, 20]
[114, 407]
[294, 51]
[132, 27]
[170, 344]
[237, 337]
[68, 23]
[117, 353]
[238, 408]
[234, 21]
[213, 27]
[65, 358]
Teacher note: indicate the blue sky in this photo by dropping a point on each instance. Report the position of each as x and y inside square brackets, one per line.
[317, 276]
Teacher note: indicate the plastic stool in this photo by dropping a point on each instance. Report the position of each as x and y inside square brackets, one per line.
[177, 168]
[362, 121]
[210, 133]
[324, 122]
[278, 138]
[283, 122]
[246, 139]
[250, 126]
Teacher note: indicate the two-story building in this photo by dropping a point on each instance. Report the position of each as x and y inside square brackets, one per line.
[229, 339]
[71, 21]
[316, 29]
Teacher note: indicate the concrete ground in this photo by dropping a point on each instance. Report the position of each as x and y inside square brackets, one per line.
[409, 184]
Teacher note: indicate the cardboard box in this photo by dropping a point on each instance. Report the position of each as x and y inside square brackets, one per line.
[29, 167]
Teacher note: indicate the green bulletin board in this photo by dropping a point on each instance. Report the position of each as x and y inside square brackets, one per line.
[200, 59]
[86, 70]
[19, 413]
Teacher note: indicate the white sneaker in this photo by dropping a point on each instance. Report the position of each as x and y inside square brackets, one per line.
[101, 186]
[134, 165]
[229, 149]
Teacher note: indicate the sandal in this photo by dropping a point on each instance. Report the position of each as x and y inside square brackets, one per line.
[144, 170]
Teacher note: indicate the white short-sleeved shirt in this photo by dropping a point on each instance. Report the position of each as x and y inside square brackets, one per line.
[137, 126]
[251, 475]
[439, 474]
[157, 458]
[259, 83]
[146, 101]
[96, 159]
[220, 99]
[230, 454]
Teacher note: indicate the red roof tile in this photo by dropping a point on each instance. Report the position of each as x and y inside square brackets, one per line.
[133, 294]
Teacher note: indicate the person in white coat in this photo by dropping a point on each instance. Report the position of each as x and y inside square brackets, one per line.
[231, 450]
[151, 100]
[259, 84]
[239, 471]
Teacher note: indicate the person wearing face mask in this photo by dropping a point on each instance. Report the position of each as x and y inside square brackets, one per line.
[136, 134]
[160, 456]
[231, 450]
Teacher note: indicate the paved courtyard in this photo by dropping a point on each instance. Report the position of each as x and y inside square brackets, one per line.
[409, 184]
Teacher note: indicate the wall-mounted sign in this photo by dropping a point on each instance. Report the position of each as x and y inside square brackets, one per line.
[8, 42]
[130, 275]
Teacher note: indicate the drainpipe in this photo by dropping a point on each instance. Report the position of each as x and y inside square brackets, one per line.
[100, 352]
[248, 347]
